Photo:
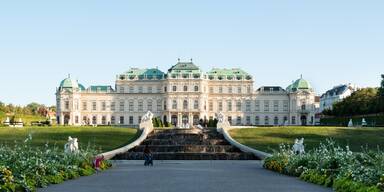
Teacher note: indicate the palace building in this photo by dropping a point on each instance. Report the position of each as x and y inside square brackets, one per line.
[185, 94]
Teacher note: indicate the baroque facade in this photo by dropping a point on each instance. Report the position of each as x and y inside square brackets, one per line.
[336, 94]
[185, 94]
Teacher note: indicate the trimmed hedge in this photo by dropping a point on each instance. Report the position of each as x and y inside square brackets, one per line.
[372, 120]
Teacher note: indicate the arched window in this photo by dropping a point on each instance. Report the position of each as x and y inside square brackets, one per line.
[196, 89]
[185, 88]
[266, 120]
[174, 88]
[276, 120]
[185, 104]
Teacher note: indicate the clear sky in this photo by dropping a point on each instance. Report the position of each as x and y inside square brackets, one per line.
[329, 42]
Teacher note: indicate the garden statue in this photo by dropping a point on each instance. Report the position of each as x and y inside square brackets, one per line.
[72, 146]
[363, 123]
[147, 116]
[7, 121]
[146, 121]
[199, 126]
[350, 123]
[298, 147]
[222, 122]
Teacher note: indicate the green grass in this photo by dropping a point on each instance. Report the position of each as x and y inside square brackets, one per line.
[103, 138]
[268, 138]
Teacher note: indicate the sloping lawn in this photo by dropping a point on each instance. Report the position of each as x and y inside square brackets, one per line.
[268, 138]
[103, 138]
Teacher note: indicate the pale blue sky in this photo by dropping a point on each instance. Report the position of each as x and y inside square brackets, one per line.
[329, 42]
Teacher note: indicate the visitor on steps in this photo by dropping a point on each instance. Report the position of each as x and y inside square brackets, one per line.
[148, 156]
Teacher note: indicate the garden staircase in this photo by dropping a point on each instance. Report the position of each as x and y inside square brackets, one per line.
[186, 144]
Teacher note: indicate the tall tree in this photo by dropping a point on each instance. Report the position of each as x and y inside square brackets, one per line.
[381, 95]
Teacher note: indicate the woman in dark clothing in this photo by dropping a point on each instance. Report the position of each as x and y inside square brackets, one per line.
[148, 156]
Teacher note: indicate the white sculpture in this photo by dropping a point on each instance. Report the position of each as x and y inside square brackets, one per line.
[222, 122]
[146, 121]
[72, 146]
[199, 126]
[147, 116]
[363, 122]
[350, 123]
[298, 147]
[7, 121]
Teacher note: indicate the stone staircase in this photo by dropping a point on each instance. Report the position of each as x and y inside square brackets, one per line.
[186, 144]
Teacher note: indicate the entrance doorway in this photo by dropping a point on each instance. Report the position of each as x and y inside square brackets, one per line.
[174, 120]
[185, 119]
[195, 119]
[66, 119]
[303, 119]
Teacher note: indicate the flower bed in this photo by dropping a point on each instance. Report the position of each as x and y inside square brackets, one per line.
[332, 166]
[25, 168]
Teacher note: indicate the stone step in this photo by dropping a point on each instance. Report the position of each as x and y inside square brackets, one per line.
[178, 136]
[188, 148]
[188, 156]
[184, 142]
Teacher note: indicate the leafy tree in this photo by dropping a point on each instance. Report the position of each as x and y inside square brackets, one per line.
[381, 95]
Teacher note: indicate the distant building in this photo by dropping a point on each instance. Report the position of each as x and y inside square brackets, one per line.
[185, 94]
[336, 94]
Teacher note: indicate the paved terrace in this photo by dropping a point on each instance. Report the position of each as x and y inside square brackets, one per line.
[187, 176]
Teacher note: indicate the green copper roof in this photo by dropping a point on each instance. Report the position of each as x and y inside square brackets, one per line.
[81, 87]
[229, 73]
[100, 88]
[69, 83]
[300, 84]
[150, 73]
[184, 67]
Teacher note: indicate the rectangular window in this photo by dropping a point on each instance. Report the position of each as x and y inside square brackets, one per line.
[103, 106]
[121, 105]
[131, 89]
[84, 106]
[248, 106]
[138, 119]
[238, 106]
[174, 104]
[149, 89]
[266, 120]
[131, 120]
[210, 103]
[238, 120]
[121, 89]
[113, 120]
[220, 106]
[174, 88]
[210, 89]
[196, 104]
[266, 105]
[229, 105]
[229, 89]
[248, 89]
[76, 119]
[293, 120]
[113, 106]
[238, 89]
[158, 103]
[130, 105]
[66, 105]
[149, 105]
[220, 89]
[285, 106]
[140, 89]
[275, 105]
[257, 105]
[121, 120]
[94, 106]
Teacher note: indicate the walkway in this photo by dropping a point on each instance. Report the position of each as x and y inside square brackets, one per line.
[186, 176]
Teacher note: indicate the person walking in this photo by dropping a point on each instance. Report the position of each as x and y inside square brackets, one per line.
[148, 157]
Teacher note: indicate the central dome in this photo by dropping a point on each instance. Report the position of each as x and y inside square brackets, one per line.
[300, 84]
[69, 83]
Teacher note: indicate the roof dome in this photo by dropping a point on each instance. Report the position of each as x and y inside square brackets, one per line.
[300, 84]
[70, 83]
